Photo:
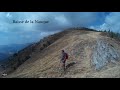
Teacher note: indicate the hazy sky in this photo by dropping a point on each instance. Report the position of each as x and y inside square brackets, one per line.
[19, 33]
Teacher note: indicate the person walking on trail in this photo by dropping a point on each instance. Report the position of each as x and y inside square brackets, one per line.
[63, 59]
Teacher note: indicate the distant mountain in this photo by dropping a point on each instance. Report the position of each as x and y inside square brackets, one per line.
[8, 50]
[3, 56]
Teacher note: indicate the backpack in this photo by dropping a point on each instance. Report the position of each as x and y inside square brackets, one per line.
[66, 55]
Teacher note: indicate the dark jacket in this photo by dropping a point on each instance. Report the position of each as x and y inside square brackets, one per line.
[63, 57]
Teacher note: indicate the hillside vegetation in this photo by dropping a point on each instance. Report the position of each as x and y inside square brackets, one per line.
[91, 54]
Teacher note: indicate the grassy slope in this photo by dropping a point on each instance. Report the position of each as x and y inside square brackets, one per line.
[78, 44]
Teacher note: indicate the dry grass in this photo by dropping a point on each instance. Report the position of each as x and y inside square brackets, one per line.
[78, 44]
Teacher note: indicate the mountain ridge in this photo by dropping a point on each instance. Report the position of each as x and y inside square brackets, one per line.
[84, 48]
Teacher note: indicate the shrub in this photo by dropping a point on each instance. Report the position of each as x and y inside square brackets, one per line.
[27, 57]
[112, 34]
[15, 54]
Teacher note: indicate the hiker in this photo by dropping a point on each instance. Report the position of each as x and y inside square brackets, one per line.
[63, 59]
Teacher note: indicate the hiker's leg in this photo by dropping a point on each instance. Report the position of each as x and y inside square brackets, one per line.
[64, 66]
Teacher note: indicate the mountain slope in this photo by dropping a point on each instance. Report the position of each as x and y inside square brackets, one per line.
[90, 55]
